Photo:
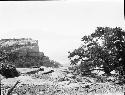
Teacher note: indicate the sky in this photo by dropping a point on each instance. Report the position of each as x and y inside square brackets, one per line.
[58, 25]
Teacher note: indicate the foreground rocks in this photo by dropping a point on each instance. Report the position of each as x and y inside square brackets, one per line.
[29, 86]
[9, 71]
[59, 83]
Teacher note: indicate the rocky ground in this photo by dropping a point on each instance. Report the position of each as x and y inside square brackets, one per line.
[59, 82]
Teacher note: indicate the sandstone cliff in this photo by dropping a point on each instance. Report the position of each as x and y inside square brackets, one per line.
[23, 52]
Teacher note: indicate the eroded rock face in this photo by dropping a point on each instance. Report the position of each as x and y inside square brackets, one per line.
[8, 71]
[24, 53]
[22, 46]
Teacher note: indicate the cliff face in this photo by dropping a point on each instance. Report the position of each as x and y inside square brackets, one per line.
[22, 46]
[20, 52]
[23, 53]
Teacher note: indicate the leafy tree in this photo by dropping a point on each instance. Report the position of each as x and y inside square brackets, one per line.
[105, 49]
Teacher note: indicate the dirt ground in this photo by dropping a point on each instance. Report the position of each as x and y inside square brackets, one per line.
[58, 83]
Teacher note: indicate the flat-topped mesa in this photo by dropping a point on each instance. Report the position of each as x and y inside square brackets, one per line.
[23, 46]
[19, 42]
[24, 53]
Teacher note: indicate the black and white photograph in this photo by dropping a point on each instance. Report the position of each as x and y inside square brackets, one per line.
[62, 47]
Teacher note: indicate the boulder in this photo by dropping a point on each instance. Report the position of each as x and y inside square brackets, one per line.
[42, 68]
[9, 71]
[48, 72]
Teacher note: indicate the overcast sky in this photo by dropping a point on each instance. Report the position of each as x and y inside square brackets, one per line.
[58, 25]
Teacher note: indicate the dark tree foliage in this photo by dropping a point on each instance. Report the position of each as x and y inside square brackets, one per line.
[105, 49]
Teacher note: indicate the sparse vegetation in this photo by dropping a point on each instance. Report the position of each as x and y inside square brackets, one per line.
[103, 50]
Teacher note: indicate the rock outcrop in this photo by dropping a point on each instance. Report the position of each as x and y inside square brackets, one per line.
[23, 52]
[22, 46]
[9, 71]
[20, 52]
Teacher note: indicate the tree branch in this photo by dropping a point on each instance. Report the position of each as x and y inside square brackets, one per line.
[11, 89]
